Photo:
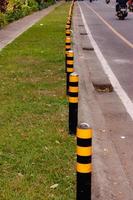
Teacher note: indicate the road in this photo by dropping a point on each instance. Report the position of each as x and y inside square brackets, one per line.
[103, 48]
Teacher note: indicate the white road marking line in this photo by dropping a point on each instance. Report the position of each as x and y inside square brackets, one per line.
[115, 83]
[110, 27]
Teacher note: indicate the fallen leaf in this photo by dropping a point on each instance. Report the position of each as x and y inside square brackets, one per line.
[54, 186]
[123, 137]
[105, 150]
[57, 142]
[46, 148]
[20, 175]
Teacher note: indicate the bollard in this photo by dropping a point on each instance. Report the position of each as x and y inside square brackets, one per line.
[67, 47]
[68, 23]
[69, 67]
[68, 44]
[69, 19]
[68, 27]
[73, 102]
[68, 33]
[70, 13]
[84, 166]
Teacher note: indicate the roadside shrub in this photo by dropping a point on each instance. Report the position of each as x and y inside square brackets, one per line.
[3, 5]
[2, 20]
[12, 16]
[15, 13]
[26, 10]
[44, 3]
[17, 5]
[33, 5]
[20, 8]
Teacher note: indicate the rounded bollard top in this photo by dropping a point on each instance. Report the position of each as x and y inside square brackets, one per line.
[70, 51]
[84, 126]
[74, 74]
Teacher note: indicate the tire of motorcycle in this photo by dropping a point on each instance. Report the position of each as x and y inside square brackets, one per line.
[121, 18]
[117, 8]
[107, 1]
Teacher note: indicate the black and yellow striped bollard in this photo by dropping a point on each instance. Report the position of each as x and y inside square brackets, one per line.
[73, 102]
[68, 23]
[69, 19]
[67, 47]
[68, 33]
[68, 44]
[70, 13]
[84, 159]
[68, 27]
[69, 68]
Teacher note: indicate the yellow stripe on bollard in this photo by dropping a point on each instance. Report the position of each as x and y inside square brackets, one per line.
[84, 168]
[73, 89]
[70, 62]
[84, 151]
[73, 99]
[74, 78]
[84, 133]
[69, 70]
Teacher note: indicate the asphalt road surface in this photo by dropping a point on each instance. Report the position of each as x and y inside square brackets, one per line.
[103, 48]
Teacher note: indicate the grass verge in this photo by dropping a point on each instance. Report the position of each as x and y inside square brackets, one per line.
[35, 149]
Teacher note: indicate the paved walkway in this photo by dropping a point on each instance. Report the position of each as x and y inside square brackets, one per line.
[13, 30]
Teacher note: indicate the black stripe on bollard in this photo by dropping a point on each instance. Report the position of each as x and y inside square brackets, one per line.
[84, 165]
[73, 102]
[69, 67]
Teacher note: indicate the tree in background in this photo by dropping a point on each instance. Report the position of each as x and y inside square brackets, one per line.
[3, 5]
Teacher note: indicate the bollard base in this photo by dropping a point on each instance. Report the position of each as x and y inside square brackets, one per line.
[73, 118]
[83, 186]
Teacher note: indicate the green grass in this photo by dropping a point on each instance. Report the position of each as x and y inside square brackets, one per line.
[35, 149]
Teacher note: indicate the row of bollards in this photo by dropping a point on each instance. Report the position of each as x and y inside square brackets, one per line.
[83, 132]
[71, 77]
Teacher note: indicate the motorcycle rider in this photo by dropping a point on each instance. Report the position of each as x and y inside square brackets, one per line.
[122, 3]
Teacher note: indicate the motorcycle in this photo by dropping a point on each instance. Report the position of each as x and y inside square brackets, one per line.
[121, 11]
[121, 8]
[107, 1]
